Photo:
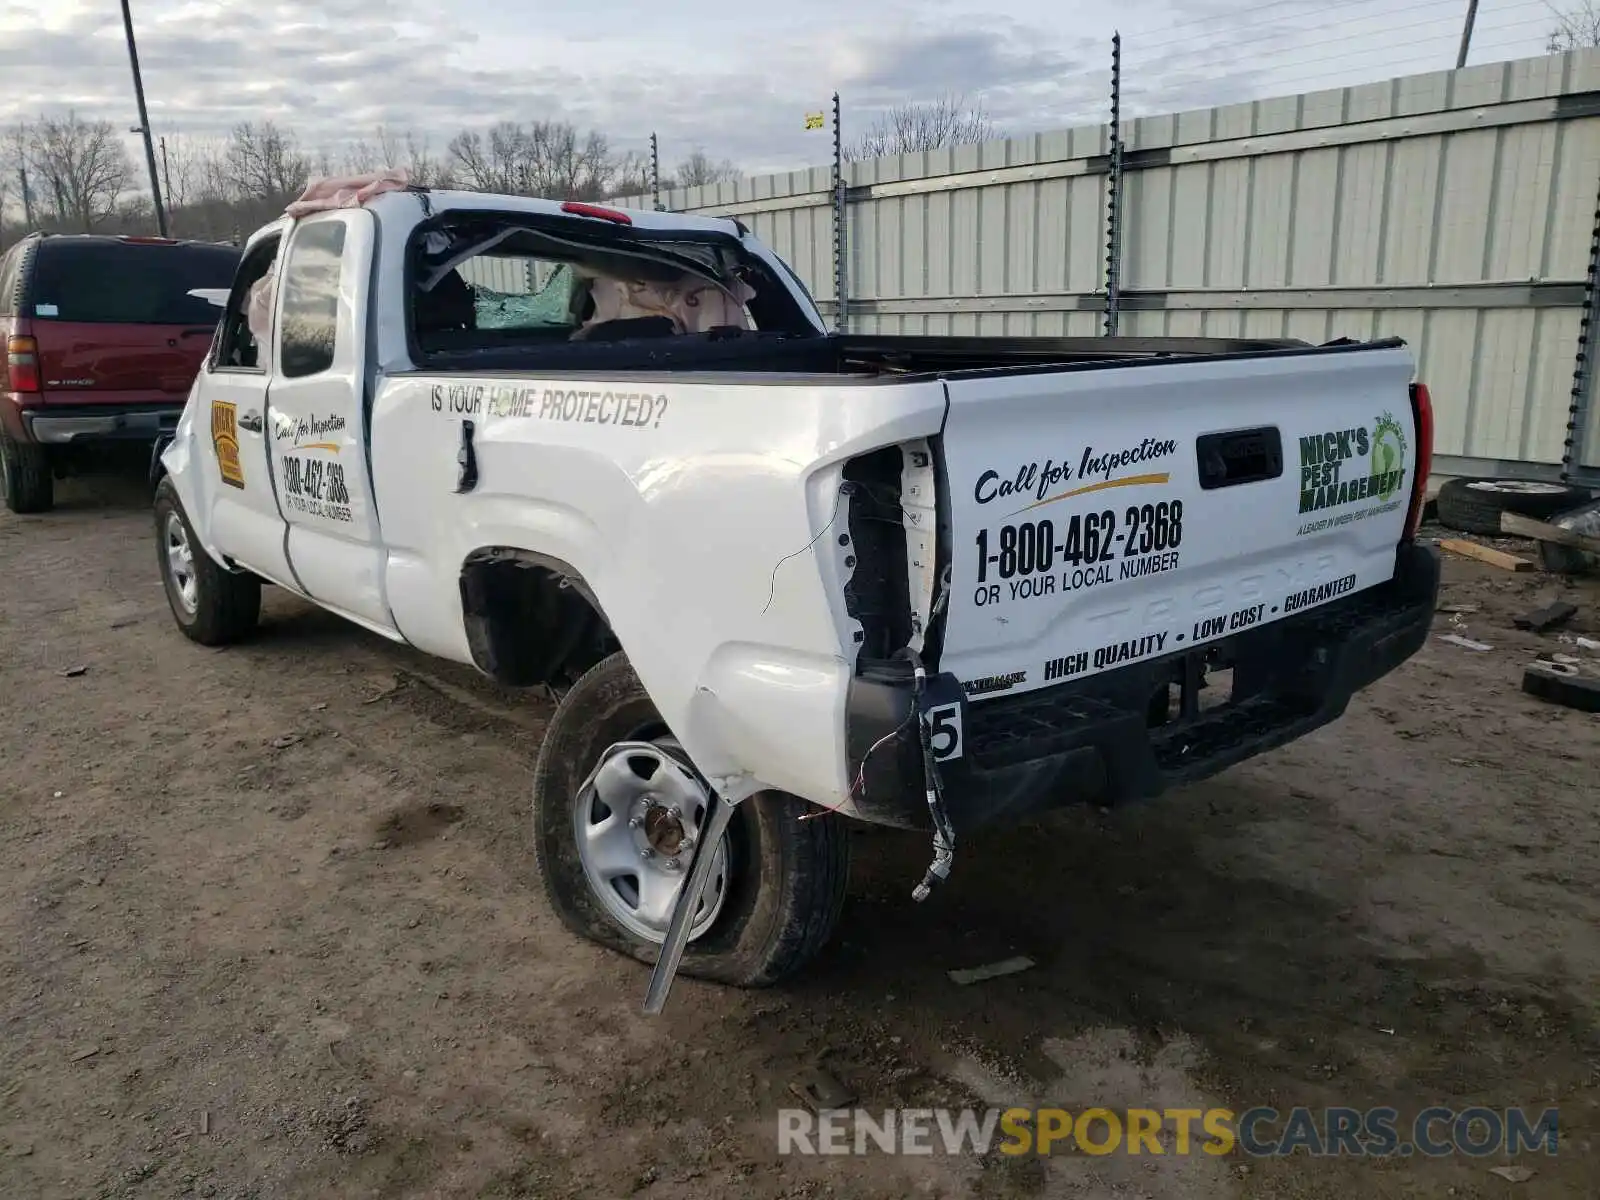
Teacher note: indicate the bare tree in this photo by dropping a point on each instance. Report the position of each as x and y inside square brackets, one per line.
[630, 175]
[546, 158]
[914, 128]
[700, 169]
[81, 167]
[411, 152]
[188, 170]
[14, 163]
[264, 163]
[1576, 28]
[385, 152]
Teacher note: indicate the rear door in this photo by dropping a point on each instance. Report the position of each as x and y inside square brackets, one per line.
[114, 319]
[317, 415]
[1105, 516]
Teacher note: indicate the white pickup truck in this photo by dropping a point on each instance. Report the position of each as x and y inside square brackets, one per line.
[781, 573]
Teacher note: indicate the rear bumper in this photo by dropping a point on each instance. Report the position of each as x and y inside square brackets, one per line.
[1094, 740]
[59, 425]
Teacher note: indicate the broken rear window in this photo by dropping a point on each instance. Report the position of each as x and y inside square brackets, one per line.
[501, 283]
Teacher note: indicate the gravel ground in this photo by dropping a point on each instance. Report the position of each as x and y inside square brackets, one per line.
[269, 929]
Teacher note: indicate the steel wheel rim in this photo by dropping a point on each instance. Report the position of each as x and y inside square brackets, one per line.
[1521, 487]
[180, 563]
[615, 815]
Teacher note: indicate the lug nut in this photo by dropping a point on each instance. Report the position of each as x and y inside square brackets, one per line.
[671, 864]
[647, 853]
[635, 822]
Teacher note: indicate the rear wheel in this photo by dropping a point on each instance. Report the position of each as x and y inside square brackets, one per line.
[616, 807]
[211, 604]
[25, 476]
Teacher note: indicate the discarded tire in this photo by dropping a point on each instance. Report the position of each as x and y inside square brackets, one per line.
[1475, 505]
[1564, 686]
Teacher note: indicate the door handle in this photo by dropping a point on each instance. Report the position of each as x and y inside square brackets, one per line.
[466, 461]
[251, 421]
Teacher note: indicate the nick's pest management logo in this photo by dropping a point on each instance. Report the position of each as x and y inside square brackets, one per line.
[1346, 466]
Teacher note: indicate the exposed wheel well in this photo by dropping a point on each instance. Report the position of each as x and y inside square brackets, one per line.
[530, 619]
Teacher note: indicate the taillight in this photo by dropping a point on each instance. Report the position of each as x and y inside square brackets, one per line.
[22, 365]
[1422, 411]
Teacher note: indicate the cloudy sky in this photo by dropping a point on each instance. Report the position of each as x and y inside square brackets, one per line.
[708, 73]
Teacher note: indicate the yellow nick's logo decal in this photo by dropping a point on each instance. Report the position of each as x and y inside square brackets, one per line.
[225, 441]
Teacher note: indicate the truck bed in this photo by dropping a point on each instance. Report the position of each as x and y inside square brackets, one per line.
[837, 355]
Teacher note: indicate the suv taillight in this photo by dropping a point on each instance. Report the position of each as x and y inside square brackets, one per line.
[1422, 412]
[22, 365]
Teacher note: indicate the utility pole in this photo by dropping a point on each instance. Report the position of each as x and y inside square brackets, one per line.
[144, 122]
[166, 172]
[1466, 34]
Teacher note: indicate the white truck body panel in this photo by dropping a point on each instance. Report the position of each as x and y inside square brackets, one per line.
[697, 532]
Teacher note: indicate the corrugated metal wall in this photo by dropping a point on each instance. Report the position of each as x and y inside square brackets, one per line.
[508, 275]
[1453, 209]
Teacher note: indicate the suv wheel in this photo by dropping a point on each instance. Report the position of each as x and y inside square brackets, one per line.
[616, 807]
[25, 476]
[211, 604]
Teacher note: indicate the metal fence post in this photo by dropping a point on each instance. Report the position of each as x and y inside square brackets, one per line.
[655, 173]
[841, 282]
[1114, 194]
[1580, 413]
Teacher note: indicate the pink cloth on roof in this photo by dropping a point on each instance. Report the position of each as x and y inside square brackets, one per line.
[347, 191]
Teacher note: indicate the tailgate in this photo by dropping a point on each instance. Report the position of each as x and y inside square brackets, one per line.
[101, 363]
[1113, 514]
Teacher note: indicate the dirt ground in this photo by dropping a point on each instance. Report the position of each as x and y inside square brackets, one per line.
[268, 928]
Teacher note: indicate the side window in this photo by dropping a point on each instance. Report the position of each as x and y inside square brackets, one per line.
[311, 300]
[237, 347]
[8, 281]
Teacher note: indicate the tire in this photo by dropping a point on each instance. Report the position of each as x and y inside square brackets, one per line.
[223, 605]
[1475, 505]
[25, 476]
[785, 878]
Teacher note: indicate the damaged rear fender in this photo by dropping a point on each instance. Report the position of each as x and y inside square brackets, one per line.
[180, 462]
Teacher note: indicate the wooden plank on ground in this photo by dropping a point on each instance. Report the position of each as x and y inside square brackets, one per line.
[1543, 531]
[1486, 554]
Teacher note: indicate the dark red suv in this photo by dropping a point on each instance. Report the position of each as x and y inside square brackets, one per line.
[103, 340]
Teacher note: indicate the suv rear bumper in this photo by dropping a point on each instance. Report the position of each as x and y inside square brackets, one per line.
[1093, 740]
[61, 425]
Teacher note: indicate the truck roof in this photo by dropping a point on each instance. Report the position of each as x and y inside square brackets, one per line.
[641, 218]
[444, 200]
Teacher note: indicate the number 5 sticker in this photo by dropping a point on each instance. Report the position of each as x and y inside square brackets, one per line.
[944, 732]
